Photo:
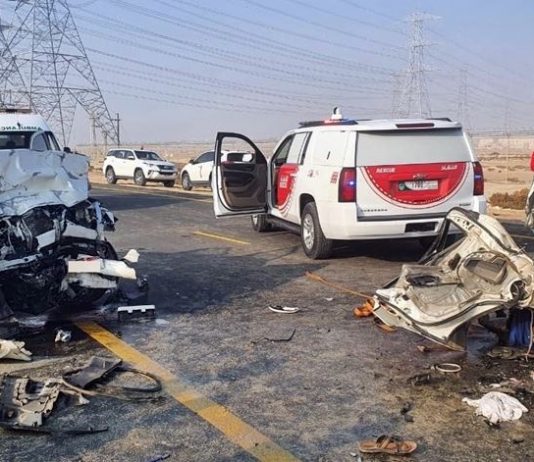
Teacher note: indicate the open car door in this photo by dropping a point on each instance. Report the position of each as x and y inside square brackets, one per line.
[239, 184]
[452, 286]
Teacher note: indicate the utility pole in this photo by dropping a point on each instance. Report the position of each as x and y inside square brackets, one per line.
[415, 99]
[118, 122]
[93, 135]
[44, 66]
[507, 133]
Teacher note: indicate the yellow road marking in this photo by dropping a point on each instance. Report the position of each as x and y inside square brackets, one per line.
[520, 236]
[148, 193]
[237, 431]
[221, 238]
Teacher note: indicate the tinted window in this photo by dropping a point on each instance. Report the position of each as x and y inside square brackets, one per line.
[15, 140]
[39, 142]
[52, 142]
[283, 151]
[147, 155]
[206, 157]
[129, 155]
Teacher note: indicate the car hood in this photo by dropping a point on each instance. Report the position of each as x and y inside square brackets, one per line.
[32, 179]
[159, 163]
[451, 286]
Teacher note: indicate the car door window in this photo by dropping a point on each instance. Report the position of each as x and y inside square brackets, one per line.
[280, 156]
[206, 157]
[130, 155]
[118, 154]
[296, 148]
[39, 142]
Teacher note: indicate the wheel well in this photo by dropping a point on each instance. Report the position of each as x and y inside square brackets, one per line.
[109, 167]
[305, 199]
[137, 169]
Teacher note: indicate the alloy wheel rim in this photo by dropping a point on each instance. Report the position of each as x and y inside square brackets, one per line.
[308, 232]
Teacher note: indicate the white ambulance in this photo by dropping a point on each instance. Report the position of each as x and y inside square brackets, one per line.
[342, 179]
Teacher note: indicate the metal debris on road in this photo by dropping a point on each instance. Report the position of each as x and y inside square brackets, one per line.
[136, 312]
[10, 349]
[284, 309]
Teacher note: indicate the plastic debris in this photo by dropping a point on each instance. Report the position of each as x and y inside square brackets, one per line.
[63, 336]
[139, 311]
[497, 407]
[284, 309]
[10, 349]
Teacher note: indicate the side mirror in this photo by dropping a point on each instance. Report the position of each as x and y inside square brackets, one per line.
[532, 162]
[67, 150]
[192, 161]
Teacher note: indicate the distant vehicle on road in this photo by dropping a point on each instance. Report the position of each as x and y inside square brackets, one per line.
[139, 165]
[197, 172]
[340, 179]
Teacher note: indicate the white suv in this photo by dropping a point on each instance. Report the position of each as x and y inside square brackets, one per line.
[342, 179]
[197, 172]
[139, 165]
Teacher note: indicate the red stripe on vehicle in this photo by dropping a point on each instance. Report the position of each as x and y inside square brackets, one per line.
[416, 185]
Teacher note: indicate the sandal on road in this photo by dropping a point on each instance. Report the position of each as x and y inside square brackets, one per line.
[387, 444]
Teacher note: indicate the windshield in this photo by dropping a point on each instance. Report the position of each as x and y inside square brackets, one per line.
[15, 140]
[147, 155]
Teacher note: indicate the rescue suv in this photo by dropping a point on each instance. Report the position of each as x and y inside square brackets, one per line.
[341, 179]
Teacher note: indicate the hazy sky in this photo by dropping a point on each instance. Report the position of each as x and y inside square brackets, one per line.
[184, 69]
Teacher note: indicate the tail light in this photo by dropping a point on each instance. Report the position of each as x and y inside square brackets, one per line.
[478, 187]
[347, 185]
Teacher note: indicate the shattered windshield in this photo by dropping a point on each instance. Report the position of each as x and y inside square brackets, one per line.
[15, 140]
[147, 155]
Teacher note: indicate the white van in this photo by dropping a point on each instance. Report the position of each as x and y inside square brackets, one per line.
[342, 179]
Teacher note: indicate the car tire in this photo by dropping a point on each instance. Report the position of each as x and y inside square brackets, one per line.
[316, 246]
[260, 223]
[111, 178]
[169, 184]
[139, 177]
[186, 182]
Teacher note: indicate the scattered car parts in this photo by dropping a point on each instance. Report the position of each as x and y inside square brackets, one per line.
[453, 285]
[10, 349]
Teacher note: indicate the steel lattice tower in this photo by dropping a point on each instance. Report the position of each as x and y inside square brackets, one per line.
[414, 99]
[44, 66]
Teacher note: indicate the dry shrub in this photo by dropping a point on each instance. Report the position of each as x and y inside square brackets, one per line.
[515, 200]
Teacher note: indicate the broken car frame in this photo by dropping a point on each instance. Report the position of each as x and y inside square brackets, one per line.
[452, 285]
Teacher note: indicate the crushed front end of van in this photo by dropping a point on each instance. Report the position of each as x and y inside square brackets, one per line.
[481, 272]
[50, 230]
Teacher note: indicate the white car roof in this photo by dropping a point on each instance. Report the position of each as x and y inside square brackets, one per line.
[20, 121]
[379, 124]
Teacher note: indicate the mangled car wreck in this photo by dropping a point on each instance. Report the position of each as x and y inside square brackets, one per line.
[53, 253]
[483, 271]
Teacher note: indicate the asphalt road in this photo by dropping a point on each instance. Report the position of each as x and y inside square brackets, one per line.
[336, 381]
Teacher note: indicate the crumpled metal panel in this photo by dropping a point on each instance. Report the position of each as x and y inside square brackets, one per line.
[30, 179]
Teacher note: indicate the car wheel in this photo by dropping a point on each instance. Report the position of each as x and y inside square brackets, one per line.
[111, 178]
[169, 184]
[316, 246]
[139, 177]
[186, 182]
[260, 223]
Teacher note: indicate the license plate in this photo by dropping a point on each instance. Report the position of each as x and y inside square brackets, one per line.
[419, 185]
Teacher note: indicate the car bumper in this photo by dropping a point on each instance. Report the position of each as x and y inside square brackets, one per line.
[160, 176]
[341, 222]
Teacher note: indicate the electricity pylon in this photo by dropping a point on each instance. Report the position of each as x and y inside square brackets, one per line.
[415, 99]
[44, 66]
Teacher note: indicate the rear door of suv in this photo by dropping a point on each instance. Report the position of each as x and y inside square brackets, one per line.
[406, 173]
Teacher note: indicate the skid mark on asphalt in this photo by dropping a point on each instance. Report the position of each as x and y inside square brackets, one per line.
[220, 237]
[236, 430]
